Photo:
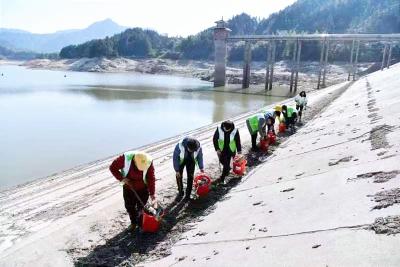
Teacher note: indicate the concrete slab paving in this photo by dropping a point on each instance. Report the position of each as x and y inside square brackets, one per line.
[312, 202]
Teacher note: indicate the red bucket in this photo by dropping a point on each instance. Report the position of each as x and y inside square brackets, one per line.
[202, 183]
[282, 127]
[239, 165]
[150, 224]
[264, 144]
[271, 138]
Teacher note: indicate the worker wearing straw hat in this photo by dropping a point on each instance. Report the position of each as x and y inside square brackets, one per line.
[136, 171]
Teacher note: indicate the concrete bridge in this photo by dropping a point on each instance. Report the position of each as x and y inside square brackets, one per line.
[222, 38]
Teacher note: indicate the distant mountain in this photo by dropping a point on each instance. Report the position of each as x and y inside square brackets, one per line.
[53, 42]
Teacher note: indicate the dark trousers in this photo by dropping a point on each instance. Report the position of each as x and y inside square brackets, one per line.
[132, 204]
[189, 163]
[225, 160]
[254, 137]
[300, 110]
[254, 140]
[290, 122]
[271, 128]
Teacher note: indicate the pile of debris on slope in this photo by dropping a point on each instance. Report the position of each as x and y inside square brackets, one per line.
[389, 225]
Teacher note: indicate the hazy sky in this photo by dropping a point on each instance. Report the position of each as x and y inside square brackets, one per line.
[175, 17]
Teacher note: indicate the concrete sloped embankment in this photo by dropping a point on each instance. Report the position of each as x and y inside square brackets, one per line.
[329, 197]
[77, 216]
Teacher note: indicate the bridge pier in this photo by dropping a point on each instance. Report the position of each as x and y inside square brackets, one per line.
[355, 68]
[221, 33]
[321, 60]
[273, 51]
[246, 65]
[268, 47]
[299, 44]
[325, 64]
[384, 56]
[221, 38]
[293, 65]
[389, 56]
[351, 67]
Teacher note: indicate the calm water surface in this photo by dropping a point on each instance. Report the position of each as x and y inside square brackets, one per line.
[50, 123]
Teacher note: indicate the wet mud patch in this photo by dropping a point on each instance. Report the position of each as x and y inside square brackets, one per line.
[381, 153]
[386, 225]
[340, 133]
[374, 117]
[377, 136]
[256, 158]
[336, 162]
[371, 104]
[378, 177]
[288, 189]
[372, 109]
[128, 248]
[386, 198]
[389, 156]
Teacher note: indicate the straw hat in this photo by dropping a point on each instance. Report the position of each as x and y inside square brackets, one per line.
[142, 161]
[278, 108]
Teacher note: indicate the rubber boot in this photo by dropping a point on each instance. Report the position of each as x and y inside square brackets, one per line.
[189, 187]
[180, 188]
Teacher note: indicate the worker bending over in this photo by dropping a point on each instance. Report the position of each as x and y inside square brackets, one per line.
[187, 153]
[135, 170]
[290, 117]
[257, 125]
[226, 143]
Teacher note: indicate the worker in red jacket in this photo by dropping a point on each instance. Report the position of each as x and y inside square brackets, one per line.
[136, 171]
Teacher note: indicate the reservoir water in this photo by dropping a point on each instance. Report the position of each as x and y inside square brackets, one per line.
[54, 120]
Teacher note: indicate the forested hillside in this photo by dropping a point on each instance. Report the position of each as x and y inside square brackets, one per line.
[304, 16]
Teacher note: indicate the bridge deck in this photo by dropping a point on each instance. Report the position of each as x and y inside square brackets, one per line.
[317, 37]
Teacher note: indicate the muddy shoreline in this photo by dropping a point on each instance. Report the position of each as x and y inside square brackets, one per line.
[308, 75]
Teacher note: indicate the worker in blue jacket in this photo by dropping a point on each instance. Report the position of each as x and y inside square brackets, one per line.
[187, 153]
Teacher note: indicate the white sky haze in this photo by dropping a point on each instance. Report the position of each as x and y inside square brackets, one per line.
[174, 17]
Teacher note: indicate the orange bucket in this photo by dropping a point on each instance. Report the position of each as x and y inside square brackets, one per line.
[282, 127]
[264, 145]
[150, 224]
[239, 165]
[202, 183]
